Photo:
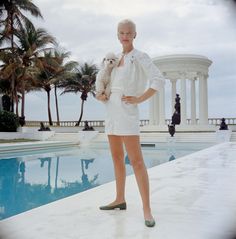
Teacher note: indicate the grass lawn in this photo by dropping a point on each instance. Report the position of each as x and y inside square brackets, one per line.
[2, 141]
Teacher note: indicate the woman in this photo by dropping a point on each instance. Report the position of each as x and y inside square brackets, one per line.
[128, 84]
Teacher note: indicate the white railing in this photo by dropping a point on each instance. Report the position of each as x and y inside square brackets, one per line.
[101, 123]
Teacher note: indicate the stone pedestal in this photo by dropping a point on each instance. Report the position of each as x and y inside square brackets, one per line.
[223, 135]
[179, 128]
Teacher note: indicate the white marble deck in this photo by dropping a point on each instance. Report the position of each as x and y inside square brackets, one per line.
[193, 197]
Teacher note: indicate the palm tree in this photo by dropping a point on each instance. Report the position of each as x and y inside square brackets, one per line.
[63, 71]
[46, 66]
[32, 42]
[84, 82]
[51, 71]
[15, 19]
[10, 69]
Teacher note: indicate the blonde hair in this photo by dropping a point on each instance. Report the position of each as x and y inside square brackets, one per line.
[127, 22]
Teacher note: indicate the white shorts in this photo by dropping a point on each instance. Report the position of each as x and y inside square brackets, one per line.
[122, 118]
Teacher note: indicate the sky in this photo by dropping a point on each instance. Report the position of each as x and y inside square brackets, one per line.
[88, 29]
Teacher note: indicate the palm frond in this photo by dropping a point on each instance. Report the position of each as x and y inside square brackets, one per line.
[28, 6]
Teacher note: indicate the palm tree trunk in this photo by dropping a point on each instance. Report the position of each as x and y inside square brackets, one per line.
[22, 117]
[23, 103]
[49, 110]
[57, 110]
[17, 102]
[81, 113]
[13, 75]
[12, 92]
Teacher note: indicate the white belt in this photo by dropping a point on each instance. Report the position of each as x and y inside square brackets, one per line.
[116, 89]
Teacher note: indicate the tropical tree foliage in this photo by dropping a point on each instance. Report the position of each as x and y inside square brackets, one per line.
[53, 70]
[65, 70]
[47, 66]
[32, 43]
[30, 60]
[12, 18]
[82, 82]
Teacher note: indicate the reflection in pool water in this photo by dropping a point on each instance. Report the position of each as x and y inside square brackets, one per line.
[33, 179]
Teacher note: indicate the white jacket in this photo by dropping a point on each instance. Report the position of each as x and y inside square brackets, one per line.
[141, 74]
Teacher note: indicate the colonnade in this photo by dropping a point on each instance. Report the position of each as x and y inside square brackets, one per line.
[180, 69]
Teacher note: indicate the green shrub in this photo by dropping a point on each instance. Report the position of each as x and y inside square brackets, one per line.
[9, 122]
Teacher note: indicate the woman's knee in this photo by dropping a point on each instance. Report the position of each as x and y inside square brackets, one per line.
[117, 153]
[137, 164]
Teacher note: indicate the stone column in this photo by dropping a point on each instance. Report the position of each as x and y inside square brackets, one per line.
[206, 98]
[193, 101]
[173, 93]
[162, 106]
[151, 111]
[156, 108]
[203, 102]
[183, 111]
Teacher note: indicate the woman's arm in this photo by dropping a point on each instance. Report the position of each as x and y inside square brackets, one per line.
[136, 100]
[154, 76]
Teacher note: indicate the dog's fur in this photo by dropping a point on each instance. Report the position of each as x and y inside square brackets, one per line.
[103, 79]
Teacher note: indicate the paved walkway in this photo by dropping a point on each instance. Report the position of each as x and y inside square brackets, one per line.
[193, 197]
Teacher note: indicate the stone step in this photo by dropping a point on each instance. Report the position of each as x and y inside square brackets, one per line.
[74, 137]
[149, 137]
[65, 137]
[165, 137]
[233, 137]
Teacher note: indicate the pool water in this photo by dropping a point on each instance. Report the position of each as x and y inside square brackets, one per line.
[36, 178]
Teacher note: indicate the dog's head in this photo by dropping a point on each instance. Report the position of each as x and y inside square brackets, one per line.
[110, 60]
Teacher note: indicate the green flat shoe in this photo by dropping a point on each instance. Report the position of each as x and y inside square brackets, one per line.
[150, 223]
[121, 206]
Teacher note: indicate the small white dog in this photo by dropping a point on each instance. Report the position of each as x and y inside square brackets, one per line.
[103, 79]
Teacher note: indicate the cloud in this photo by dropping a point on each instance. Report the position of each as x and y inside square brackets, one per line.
[121, 8]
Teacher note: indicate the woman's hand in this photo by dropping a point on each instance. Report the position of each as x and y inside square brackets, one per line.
[102, 97]
[130, 99]
[136, 100]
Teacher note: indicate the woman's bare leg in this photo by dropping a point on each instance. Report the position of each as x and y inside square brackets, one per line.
[117, 151]
[133, 148]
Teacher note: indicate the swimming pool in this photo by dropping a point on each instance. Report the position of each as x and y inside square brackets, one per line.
[35, 178]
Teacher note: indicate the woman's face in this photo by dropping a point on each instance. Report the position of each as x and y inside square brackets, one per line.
[126, 34]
